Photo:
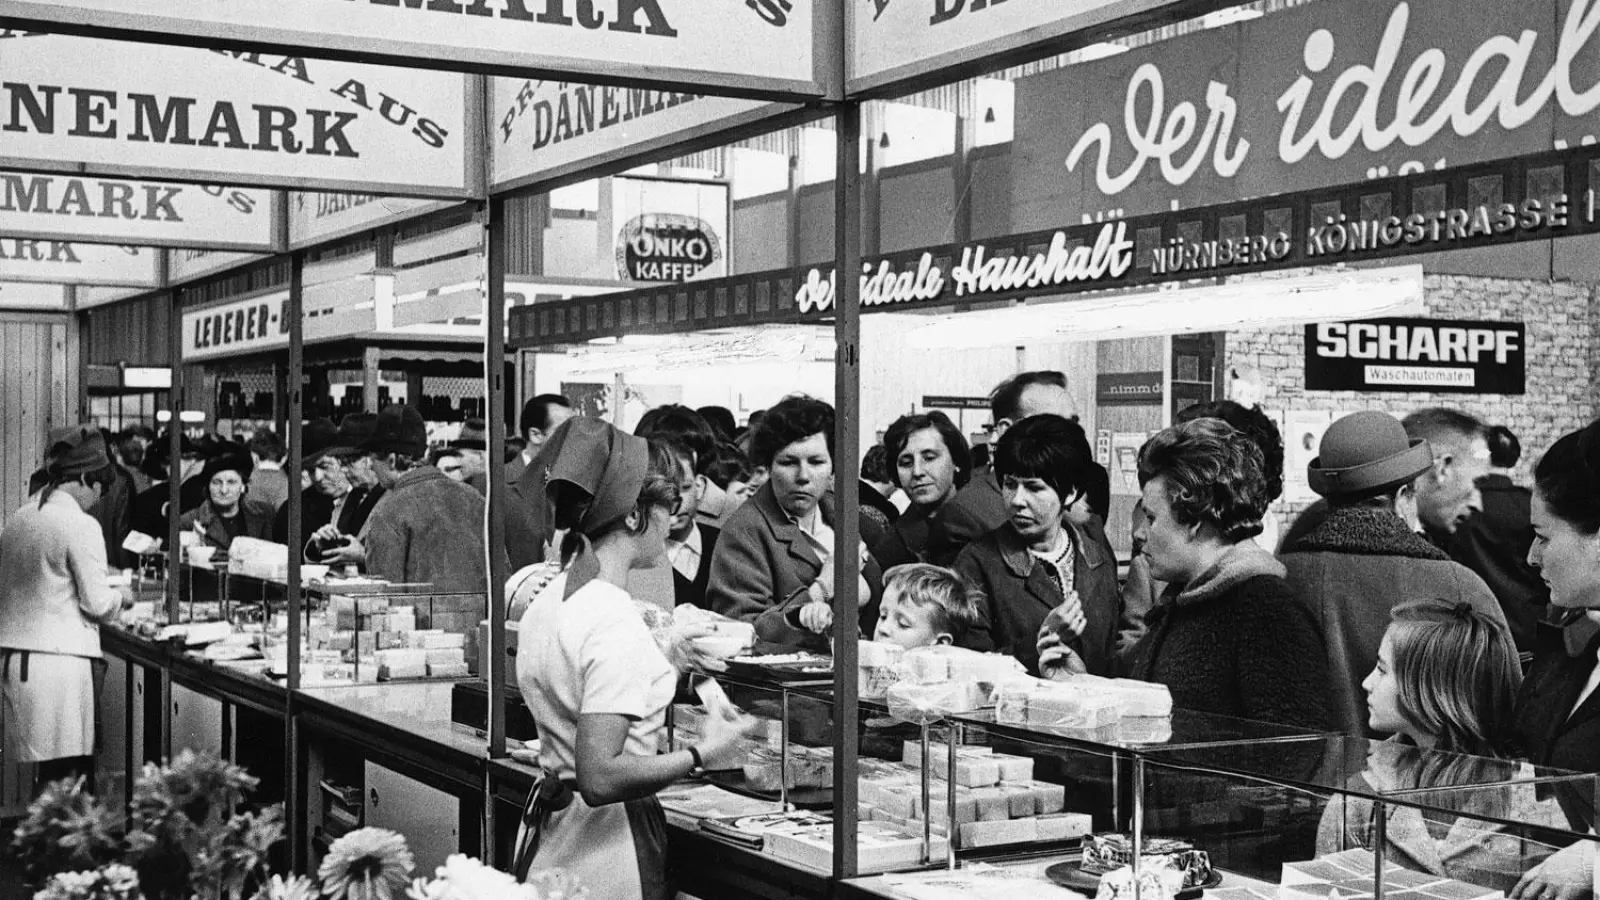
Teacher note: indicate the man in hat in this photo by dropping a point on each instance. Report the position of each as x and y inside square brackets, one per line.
[472, 444]
[1366, 557]
[227, 513]
[344, 475]
[315, 508]
[428, 529]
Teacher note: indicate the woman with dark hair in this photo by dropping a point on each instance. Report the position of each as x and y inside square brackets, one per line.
[1042, 565]
[928, 458]
[596, 680]
[1227, 636]
[53, 566]
[773, 565]
[1558, 714]
[1446, 681]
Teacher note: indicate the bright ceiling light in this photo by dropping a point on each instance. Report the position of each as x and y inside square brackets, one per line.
[761, 345]
[1235, 306]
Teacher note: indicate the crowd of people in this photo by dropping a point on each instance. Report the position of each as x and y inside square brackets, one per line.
[1426, 598]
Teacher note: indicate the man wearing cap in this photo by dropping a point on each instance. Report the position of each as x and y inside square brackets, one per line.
[1366, 557]
[53, 566]
[316, 509]
[428, 529]
[227, 513]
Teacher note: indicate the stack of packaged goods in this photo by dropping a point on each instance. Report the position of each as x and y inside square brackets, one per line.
[1089, 707]
[997, 800]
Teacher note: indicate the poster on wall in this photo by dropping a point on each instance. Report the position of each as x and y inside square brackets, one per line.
[319, 216]
[1304, 98]
[145, 213]
[669, 230]
[768, 45]
[233, 117]
[1435, 355]
[1302, 436]
[67, 262]
[546, 129]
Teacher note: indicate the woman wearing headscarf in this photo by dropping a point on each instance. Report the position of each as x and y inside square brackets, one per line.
[596, 680]
[53, 597]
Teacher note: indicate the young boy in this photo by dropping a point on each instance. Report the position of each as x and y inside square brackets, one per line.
[924, 605]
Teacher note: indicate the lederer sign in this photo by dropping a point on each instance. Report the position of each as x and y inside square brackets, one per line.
[240, 327]
[767, 45]
[1329, 93]
[1417, 355]
[110, 108]
[149, 213]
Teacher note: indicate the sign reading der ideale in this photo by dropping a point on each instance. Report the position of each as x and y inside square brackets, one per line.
[1402, 355]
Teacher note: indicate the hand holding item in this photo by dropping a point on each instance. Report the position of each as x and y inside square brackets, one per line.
[1060, 629]
[687, 655]
[817, 617]
[723, 743]
[328, 534]
[352, 551]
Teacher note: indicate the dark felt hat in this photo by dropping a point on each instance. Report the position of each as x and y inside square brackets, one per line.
[355, 429]
[474, 436]
[399, 429]
[1366, 453]
[317, 436]
[77, 450]
[225, 462]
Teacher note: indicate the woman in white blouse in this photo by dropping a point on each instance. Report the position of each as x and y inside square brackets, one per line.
[53, 596]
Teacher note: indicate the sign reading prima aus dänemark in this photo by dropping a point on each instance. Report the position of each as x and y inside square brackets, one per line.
[1539, 197]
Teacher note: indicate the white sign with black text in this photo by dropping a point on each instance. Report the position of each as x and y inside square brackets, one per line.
[66, 262]
[754, 44]
[187, 265]
[316, 216]
[234, 117]
[243, 326]
[151, 213]
[666, 230]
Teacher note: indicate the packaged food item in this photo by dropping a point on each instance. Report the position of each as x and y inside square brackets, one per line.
[879, 665]
[921, 702]
[1106, 852]
[1155, 883]
[809, 767]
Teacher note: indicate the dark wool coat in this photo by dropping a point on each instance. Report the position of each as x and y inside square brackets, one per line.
[938, 537]
[694, 592]
[1552, 732]
[1247, 651]
[1350, 571]
[1020, 594]
[762, 567]
[1494, 543]
[428, 529]
[257, 518]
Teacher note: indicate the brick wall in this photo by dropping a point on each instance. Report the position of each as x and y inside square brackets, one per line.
[1563, 357]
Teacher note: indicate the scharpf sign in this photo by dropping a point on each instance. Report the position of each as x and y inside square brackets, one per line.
[1434, 355]
[767, 45]
[66, 262]
[1330, 93]
[150, 213]
[668, 230]
[899, 39]
[232, 117]
[546, 129]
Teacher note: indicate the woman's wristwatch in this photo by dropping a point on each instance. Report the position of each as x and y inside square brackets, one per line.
[697, 765]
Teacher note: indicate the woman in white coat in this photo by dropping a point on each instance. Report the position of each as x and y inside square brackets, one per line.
[53, 596]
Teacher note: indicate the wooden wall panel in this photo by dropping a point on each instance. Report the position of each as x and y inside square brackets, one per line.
[38, 392]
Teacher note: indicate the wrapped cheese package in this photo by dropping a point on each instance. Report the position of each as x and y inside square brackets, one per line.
[879, 665]
[922, 703]
[1155, 883]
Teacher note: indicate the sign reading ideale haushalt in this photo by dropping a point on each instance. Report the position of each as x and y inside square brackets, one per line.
[1129, 389]
[149, 213]
[754, 44]
[1433, 355]
[1330, 93]
[231, 116]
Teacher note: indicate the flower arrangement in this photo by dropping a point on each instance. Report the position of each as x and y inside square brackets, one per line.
[185, 838]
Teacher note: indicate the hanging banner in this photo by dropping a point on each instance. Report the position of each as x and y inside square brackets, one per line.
[187, 265]
[232, 117]
[65, 262]
[242, 326]
[669, 230]
[26, 295]
[546, 129]
[1417, 355]
[755, 45]
[897, 40]
[1330, 93]
[316, 217]
[149, 213]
